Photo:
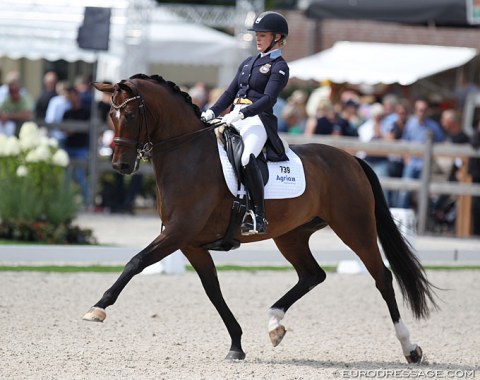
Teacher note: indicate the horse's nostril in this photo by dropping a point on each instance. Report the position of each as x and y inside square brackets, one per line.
[122, 167]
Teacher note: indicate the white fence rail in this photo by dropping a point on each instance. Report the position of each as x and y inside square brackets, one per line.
[424, 186]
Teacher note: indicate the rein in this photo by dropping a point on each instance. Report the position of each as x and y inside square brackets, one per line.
[182, 139]
[145, 152]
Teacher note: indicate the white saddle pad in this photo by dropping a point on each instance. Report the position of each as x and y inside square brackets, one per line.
[286, 178]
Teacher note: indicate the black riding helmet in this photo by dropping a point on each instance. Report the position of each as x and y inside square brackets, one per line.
[271, 22]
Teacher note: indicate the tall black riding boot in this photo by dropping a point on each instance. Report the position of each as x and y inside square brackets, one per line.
[254, 224]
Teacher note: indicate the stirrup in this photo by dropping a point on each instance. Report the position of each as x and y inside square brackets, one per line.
[250, 228]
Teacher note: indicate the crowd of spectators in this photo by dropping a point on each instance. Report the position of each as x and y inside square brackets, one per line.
[319, 112]
[57, 102]
[366, 117]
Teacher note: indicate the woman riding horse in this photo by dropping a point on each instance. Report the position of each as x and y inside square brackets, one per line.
[253, 93]
[154, 119]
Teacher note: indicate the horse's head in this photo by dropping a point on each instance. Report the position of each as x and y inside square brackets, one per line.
[149, 112]
[128, 117]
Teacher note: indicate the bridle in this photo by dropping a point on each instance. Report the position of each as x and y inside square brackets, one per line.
[145, 150]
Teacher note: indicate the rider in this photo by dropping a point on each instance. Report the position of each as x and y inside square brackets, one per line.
[251, 96]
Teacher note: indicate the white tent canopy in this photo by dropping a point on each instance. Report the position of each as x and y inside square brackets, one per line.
[182, 43]
[379, 63]
[48, 29]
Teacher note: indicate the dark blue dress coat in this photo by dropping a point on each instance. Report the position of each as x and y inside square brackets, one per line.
[259, 79]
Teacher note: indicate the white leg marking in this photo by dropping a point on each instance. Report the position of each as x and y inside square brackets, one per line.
[404, 337]
[276, 315]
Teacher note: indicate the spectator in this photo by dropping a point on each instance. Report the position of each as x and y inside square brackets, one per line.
[395, 132]
[123, 200]
[57, 106]
[389, 103]
[83, 86]
[298, 99]
[416, 130]
[15, 109]
[199, 94]
[371, 130]
[365, 102]
[12, 76]
[326, 121]
[474, 171]
[350, 114]
[320, 95]
[77, 143]
[443, 208]
[464, 90]
[50, 80]
[292, 117]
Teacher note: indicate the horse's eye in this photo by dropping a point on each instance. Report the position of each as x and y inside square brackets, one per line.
[130, 116]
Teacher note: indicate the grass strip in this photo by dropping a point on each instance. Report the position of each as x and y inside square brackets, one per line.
[60, 268]
[245, 268]
[451, 267]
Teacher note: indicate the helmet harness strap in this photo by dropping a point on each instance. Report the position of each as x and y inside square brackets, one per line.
[272, 44]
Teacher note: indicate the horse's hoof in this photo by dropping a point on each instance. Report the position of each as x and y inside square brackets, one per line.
[277, 335]
[95, 314]
[415, 356]
[235, 355]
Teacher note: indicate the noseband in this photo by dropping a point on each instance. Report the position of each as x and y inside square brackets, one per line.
[144, 152]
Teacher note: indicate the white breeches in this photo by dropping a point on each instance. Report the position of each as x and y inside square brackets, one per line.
[253, 135]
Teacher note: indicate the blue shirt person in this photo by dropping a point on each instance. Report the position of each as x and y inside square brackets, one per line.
[416, 130]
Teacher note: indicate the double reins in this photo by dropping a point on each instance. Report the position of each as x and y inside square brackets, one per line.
[145, 150]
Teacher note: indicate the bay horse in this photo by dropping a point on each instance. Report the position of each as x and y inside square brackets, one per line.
[152, 117]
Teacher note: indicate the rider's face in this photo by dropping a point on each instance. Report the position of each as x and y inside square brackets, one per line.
[263, 40]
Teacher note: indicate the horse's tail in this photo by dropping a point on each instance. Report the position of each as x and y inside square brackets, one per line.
[415, 287]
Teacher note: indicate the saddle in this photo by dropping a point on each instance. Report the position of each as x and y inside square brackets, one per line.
[233, 145]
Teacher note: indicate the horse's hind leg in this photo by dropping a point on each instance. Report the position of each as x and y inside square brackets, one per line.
[294, 247]
[203, 264]
[362, 239]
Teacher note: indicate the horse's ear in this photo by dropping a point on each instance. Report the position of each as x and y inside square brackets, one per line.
[126, 86]
[104, 87]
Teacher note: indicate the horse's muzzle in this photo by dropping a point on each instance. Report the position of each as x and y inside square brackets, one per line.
[124, 167]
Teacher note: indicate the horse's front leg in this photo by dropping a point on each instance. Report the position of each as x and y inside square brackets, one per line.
[158, 249]
[203, 264]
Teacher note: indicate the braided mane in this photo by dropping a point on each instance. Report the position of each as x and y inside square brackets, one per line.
[173, 86]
